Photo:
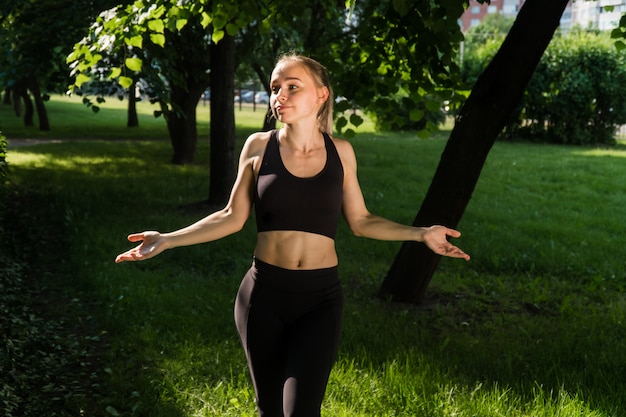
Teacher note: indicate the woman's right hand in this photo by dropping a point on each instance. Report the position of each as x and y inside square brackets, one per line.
[152, 243]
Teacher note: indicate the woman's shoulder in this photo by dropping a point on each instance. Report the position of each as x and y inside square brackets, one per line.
[256, 142]
[344, 148]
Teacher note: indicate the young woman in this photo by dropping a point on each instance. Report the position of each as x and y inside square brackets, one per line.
[299, 180]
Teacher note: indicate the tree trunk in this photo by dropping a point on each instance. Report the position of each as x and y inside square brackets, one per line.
[132, 119]
[182, 125]
[269, 123]
[42, 113]
[222, 131]
[497, 92]
[20, 94]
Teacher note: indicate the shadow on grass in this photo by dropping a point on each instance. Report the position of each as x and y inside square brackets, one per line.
[154, 318]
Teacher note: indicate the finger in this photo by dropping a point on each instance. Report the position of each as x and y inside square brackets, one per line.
[135, 237]
[455, 252]
[453, 233]
[123, 257]
[460, 254]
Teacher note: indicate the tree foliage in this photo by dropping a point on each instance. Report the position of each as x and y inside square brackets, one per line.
[480, 44]
[39, 34]
[574, 96]
[398, 61]
[165, 44]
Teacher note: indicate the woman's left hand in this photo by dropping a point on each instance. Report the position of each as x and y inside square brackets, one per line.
[436, 238]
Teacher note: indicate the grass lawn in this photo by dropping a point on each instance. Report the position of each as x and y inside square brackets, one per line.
[532, 326]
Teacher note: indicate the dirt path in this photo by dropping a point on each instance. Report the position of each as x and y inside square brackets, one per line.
[16, 143]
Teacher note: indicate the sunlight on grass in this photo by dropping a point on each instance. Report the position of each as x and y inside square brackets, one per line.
[620, 153]
[533, 326]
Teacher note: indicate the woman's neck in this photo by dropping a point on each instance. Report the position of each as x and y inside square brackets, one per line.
[302, 138]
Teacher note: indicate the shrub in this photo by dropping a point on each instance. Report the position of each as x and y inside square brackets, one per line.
[574, 96]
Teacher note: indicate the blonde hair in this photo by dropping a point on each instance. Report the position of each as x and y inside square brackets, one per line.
[321, 79]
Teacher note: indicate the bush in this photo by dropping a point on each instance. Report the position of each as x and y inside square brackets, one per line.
[574, 96]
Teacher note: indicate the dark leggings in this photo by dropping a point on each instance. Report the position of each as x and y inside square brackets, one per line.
[289, 322]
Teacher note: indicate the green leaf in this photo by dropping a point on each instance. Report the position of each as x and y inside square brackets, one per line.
[342, 106]
[125, 82]
[232, 29]
[115, 72]
[158, 39]
[620, 46]
[156, 26]
[217, 36]
[349, 133]
[181, 23]
[265, 26]
[158, 12]
[617, 33]
[401, 6]
[219, 21]
[416, 114]
[133, 64]
[341, 123]
[206, 19]
[433, 105]
[356, 120]
[81, 79]
[135, 41]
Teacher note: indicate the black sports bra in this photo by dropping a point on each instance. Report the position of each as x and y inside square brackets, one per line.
[286, 202]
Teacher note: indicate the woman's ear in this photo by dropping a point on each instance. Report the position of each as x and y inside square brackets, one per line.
[323, 94]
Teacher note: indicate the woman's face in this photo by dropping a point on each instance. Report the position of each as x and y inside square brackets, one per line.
[294, 94]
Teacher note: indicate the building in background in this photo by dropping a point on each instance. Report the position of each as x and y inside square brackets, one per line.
[599, 14]
[476, 11]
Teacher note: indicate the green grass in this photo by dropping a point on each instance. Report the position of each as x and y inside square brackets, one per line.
[70, 119]
[532, 326]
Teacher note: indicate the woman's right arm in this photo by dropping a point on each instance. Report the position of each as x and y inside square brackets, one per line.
[219, 224]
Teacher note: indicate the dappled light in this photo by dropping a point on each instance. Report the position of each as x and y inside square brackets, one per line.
[510, 332]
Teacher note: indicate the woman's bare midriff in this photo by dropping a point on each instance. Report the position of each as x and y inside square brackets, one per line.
[296, 250]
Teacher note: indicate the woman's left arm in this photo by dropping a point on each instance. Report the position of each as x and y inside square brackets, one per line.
[365, 224]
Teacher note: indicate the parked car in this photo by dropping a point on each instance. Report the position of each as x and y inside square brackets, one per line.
[261, 98]
[247, 96]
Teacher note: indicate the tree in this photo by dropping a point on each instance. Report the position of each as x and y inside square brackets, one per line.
[39, 34]
[126, 44]
[497, 92]
[398, 61]
[223, 169]
[171, 41]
